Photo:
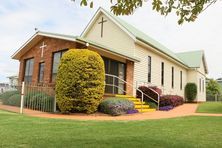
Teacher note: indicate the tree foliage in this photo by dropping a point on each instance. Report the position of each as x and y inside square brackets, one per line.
[213, 87]
[186, 10]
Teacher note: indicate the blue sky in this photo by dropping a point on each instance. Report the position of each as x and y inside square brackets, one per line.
[18, 18]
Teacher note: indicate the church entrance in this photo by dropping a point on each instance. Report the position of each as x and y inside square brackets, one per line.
[118, 69]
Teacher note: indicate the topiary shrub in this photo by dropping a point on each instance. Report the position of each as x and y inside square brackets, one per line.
[80, 81]
[116, 106]
[190, 91]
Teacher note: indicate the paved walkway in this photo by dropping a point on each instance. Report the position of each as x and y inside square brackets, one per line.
[183, 110]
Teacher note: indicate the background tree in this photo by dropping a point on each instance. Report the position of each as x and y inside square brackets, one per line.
[186, 10]
[213, 88]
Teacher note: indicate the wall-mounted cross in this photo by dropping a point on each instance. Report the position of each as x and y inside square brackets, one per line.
[42, 47]
[102, 21]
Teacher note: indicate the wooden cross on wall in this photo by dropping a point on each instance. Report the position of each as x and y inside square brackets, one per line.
[42, 47]
[102, 21]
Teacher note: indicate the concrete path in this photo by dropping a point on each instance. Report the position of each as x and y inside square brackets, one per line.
[183, 110]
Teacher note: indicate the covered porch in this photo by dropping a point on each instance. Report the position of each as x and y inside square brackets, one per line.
[119, 68]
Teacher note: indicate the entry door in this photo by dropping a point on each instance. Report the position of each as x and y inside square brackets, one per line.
[116, 68]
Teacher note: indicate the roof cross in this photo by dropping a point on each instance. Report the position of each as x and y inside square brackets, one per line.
[42, 47]
[102, 21]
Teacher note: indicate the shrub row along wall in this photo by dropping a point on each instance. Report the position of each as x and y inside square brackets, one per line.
[166, 101]
[12, 98]
[32, 100]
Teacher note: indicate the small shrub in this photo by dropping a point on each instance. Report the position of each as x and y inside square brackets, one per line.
[15, 100]
[5, 96]
[116, 106]
[39, 101]
[152, 104]
[148, 91]
[190, 91]
[80, 81]
[8, 94]
[171, 100]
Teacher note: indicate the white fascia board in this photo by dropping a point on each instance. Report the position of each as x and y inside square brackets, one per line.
[56, 36]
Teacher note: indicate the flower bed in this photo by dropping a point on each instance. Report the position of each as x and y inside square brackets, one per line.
[117, 106]
[168, 102]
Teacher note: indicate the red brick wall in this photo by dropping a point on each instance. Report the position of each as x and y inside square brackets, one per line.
[129, 76]
[53, 45]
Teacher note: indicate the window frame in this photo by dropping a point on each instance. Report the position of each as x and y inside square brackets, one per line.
[25, 64]
[172, 77]
[162, 73]
[200, 83]
[52, 65]
[203, 85]
[40, 73]
[181, 80]
[149, 69]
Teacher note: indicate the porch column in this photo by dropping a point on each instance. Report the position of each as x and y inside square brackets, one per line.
[129, 76]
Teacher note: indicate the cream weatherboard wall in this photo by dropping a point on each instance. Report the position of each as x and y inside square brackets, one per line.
[198, 76]
[141, 71]
[113, 36]
[201, 82]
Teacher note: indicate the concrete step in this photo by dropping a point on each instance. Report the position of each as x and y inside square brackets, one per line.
[144, 107]
[124, 96]
[134, 99]
[138, 103]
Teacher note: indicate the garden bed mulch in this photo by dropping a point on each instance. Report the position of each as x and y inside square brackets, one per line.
[180, 111]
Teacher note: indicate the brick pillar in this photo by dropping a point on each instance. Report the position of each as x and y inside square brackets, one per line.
[21, 71]
[129, 76]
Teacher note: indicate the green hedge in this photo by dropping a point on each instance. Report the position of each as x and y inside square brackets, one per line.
[6, 97]
[116, 106]
[15, 100]
[33, 100]
[39, 101]
[190, 91]
[80, 81]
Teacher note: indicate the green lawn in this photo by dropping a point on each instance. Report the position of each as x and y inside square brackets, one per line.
[22, 131]
[210, 107]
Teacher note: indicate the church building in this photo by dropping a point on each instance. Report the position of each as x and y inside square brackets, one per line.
[128, 54]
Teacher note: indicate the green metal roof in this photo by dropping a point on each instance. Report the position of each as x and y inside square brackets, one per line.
[192, 59]
[57, 34]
